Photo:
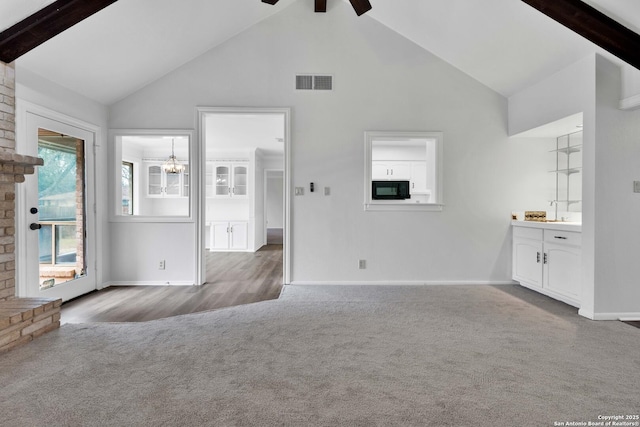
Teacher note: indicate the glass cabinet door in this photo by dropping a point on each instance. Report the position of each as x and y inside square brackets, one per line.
[173, 185]
[185, 181]
[154, 175]
[240, 181]
[222, 181]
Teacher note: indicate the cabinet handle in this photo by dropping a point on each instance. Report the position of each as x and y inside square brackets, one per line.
[545, 258]
[231, 228]
[560, 237]
[538, 257]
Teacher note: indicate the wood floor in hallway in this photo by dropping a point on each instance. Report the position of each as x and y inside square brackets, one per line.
[233, 278]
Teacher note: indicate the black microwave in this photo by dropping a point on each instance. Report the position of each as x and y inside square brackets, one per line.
[390, 190]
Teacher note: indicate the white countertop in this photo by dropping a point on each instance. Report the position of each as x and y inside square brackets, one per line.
[563, 226]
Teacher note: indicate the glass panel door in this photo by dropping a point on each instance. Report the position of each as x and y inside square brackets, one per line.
[154, 175]
[222, 181]
[61, 208]
[240, 180]
[56, 250]
[173, 184]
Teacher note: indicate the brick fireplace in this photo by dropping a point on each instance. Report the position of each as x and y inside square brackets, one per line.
[21, 319]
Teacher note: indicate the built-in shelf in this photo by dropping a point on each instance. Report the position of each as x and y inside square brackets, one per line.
[569, 202]
[565, 167]
[567, 171]
[568, 150]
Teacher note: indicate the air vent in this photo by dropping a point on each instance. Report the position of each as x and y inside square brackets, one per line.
[312, 82]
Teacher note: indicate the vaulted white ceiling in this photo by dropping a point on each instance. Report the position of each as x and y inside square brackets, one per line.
[504, 44]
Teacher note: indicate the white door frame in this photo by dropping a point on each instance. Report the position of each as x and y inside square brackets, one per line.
[23, 109]
[200, 216]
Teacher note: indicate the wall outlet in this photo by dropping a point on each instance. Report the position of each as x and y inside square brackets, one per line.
[161, 265]
[636, 186]
[362, 264]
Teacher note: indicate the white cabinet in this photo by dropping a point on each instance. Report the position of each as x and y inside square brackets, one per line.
[527, 256]
[228, 235]
[162, 184]
[413, 171]
[227, 179]
[383, 170]
[548, 261]
[419, 178]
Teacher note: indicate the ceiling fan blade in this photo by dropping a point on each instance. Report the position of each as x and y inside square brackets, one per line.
[360, 6]
[321, 5]
[270, 1]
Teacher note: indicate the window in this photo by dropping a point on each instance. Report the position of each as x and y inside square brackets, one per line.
[152, 175]
[127, 188]
[403, 171]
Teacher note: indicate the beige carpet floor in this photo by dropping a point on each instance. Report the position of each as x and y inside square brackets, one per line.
[334, 356]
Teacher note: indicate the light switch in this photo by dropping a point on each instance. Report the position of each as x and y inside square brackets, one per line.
[636, 186]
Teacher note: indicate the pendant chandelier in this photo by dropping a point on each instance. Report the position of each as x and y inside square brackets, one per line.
[172, 166]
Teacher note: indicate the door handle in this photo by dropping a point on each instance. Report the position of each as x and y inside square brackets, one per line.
[35, 226]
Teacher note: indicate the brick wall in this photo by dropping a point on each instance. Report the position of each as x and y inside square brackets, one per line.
[7, 107]
[7, 185]
[21, 320]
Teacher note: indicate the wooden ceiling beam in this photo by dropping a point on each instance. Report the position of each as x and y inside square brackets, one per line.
[360, 6]
[321, 6]
[48, 22]
[593, 25]
[271, 2]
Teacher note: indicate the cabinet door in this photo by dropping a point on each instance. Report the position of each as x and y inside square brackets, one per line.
[418, 177]
[527, 261]
[380, 171]
[563, 269]
[238, 235]
[154, 181]
[240, 180]
[401, 171]
[220, 235]
[223, 180]
[173, 184]
[185, 181]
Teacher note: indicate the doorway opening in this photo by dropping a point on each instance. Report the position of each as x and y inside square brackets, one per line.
[241, 147]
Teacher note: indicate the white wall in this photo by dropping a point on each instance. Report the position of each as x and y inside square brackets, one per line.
[275, 200]
[37, 90]
[563, 94]
[617, 232]
[630, 88]
[382, 82]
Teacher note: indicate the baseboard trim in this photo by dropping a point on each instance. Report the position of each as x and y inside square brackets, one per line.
[150, 283]
[622, 316]
[626, 317]
[403, 283]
